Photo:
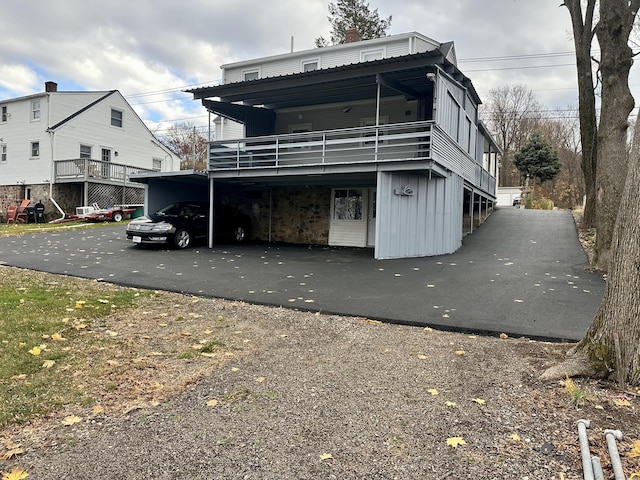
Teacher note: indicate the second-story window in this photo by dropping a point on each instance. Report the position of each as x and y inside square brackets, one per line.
[5, 114]
[310, 65]
[35, 149]
[369, 55]
[251, 75]
[35, 110]
[116, 118]
[85, 151]
[157, 164]
[3, 153]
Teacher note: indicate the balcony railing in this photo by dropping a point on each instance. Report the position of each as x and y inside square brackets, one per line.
[87, 169]
[418, 141]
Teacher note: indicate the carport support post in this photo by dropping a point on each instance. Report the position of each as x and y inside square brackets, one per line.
[211, 212]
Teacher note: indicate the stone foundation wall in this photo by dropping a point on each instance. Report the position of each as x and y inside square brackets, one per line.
[68, 196]
[298, 215]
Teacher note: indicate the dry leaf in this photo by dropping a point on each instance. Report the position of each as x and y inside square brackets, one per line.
[621, 402]
[212, 403]
[260, 379]
[422, 357]
[515, 436]
[14, 451]
[455, 441]
[433, 391]
[451, 404]
[635, 451]
[35, 351]
[48, 363]
[460, 352]
[326, 456]
[70, 420]
[479, 401]
[97, 409]
[56, 337]
[504, 336]
[15, 474]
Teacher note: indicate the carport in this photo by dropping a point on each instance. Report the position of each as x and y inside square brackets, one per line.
[163, 188]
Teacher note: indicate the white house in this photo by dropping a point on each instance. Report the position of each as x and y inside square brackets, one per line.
[371, 143]
[75, 148]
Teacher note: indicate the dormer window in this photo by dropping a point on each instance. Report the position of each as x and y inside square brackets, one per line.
[310, 65]
[251, 75]
[370, 55]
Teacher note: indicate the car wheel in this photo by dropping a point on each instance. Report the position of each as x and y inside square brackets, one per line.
[117, 216]
[182, 238]
[239, 233]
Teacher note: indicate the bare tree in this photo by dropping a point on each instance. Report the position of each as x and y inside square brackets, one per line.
[616, 57]
[583, 33]
[513, 113]
[184, 140]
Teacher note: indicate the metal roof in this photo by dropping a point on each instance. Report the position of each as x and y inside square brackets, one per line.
[357, 81]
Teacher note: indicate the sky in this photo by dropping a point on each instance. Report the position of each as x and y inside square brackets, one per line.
[153, 50]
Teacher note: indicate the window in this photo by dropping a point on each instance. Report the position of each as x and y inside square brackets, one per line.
[251, 75]
[310, 65]
[157, 164]
[347, 204]
[106, 155]
[3, 152]
[35, 149]
[369, 55]
[116, 118]
[5, 115]
[85, 151]
[35, 110]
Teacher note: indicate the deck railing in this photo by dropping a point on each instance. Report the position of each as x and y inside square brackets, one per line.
[384, 143]
[87, 169]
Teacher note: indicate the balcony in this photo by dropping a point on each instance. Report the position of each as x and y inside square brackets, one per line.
[421, 144]
[89, 170]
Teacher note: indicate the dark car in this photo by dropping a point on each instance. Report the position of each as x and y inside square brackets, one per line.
[180, 224]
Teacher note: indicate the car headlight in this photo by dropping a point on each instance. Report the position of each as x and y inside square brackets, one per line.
[162, 227]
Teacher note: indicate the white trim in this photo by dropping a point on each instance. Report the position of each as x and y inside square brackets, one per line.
[377, 53]
[310, 61]
[250, 71]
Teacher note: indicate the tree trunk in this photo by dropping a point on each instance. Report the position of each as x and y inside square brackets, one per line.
[619, 313]
[614, 27]
[582, 38]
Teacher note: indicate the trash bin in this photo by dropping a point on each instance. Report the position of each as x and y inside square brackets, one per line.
[38, 209]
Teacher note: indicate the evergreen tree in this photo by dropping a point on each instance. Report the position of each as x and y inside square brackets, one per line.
[538, 159]
[346, 14]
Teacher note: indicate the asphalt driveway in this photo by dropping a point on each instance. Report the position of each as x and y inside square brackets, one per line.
[521, 273]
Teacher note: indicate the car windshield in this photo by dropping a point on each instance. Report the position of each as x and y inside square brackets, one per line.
[178, 209]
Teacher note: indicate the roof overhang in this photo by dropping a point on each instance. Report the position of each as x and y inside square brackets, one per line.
[404, 75]
[191, 177]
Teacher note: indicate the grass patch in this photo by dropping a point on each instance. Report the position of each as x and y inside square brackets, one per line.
[49, 341]
[11, 230]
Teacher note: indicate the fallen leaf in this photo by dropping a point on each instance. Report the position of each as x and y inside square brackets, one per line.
[326, 456]
[15, 474]
[455, 441]
[19, 377]
[70, 420]
[56, 337]
[260, 379]
[460, 352]
[48, 363]
[635, 451]
[479, 401]
[13, 452]
[621, 402]
[433, 391]
[212, 403]
[35, 351]
[515, 436]
[504, 336]
[451, 404]
[634, 475]
[517, 300]
[97, 409]
[422, 357]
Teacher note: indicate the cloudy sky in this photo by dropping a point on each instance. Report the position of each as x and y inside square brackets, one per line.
[152, 50]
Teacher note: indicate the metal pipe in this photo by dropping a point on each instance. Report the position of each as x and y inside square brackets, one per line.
[587, 467]
[597, 468]
[612, 436]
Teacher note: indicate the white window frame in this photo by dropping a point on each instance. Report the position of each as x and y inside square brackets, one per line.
[310, 61]
[156, 164]
[5, 114]
[82, 145]
[3, 153]
[368, 55]
[34, 151]
[36, 110]
[118, 120]
[250, 72]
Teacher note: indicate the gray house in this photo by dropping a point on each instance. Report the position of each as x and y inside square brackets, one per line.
[371, 143]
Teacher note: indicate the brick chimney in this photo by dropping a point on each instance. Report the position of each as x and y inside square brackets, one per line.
[50, 87]
[352, 35]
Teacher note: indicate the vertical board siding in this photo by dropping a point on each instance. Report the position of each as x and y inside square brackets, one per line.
[424, 224]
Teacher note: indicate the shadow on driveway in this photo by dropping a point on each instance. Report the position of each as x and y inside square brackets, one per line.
[521, 273]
